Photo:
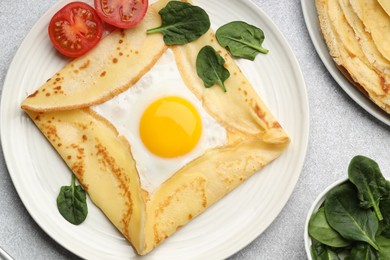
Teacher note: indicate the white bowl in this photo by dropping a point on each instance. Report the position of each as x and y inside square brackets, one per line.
[313, 209]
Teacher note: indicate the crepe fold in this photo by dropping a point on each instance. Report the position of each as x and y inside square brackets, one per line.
[356, 33]
[102, 159]
[385, 5]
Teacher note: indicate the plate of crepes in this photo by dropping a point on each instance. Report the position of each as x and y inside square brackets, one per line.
[173, 166]
[352, 39]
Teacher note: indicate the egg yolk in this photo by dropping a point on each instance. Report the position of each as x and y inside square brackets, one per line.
[170, 127]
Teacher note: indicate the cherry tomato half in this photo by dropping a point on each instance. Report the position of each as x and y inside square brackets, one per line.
[75, 29]
[121, 13]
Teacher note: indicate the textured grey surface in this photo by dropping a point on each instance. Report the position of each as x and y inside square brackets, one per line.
[339, 129]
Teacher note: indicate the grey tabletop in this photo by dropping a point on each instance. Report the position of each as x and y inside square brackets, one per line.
[339, 129]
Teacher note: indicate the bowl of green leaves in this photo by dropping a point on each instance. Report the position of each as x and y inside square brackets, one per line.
[350, 219]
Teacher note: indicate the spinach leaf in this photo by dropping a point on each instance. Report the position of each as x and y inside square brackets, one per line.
[344, 214]
[320, 230]
[362, 251]
[367, 177]
[210, 67]
[384, 206]
[384, 247]
[388, 188]
[181, 23]
[241, 39]
[71, 203]
[320, 251]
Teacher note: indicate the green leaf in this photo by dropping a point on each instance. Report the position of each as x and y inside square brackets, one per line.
[320, 230]
[384, 247]
[210, 67]
[384, 206]
[71, 203]
[388, 190]
[344, 214]
[320, 251]
[367, 177]
[241, 39]
[362, 251]
[181, 23]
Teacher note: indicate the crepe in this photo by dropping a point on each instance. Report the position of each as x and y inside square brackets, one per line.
[385, 5]
[103, 162]
[103, 73]
[377, 22]
[355, 50]
[369, 48]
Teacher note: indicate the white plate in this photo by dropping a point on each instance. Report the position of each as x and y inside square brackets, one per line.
[38, 172]
[311, 20]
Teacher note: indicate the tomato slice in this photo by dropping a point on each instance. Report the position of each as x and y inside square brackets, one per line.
[121, 13]
[75, 29]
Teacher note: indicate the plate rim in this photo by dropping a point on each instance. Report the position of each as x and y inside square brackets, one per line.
[299, 164]
[312, 25]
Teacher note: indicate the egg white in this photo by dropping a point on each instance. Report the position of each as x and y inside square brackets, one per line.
[125, 110]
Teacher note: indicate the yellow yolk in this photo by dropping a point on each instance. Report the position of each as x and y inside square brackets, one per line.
[170, 127]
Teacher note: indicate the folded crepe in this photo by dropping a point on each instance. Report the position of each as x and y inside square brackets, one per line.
[357, 35]
[102, 159]
[385, 5]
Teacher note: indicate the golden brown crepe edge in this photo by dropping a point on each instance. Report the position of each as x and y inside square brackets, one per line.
[93, 78]
[102, 162]
[219, 170]
[336, 52]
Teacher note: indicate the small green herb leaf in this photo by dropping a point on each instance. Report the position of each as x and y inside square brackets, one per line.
[320, 251]
[181, 23]
[384, 247]
[210, 67]
[344, 214]
[384, 206]
[367, 177]
[362, 251]
[241, 39]
[320, 230]
[71, 203]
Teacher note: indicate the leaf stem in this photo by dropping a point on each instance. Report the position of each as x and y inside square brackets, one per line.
[373, 244]
[165, 28]
[153, 30]
[258, 48]
[262, 50]
[378, 212]
[371, 197]
[222, 85]
[73, 184]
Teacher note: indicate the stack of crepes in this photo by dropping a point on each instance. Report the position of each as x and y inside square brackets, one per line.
[357, 33]
[102, 160]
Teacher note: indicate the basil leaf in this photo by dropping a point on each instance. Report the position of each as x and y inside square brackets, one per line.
[362, 251]
[320, 230]
[241, 39]
[210, 67]
[181, 23]
[384, 206]
[71, 203]
[320, 251]
[367, 177]
[344, 214]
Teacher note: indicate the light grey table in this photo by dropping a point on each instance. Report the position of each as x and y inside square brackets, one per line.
[339, 129]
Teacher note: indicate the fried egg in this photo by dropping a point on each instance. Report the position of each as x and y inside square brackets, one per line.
[164, 123]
